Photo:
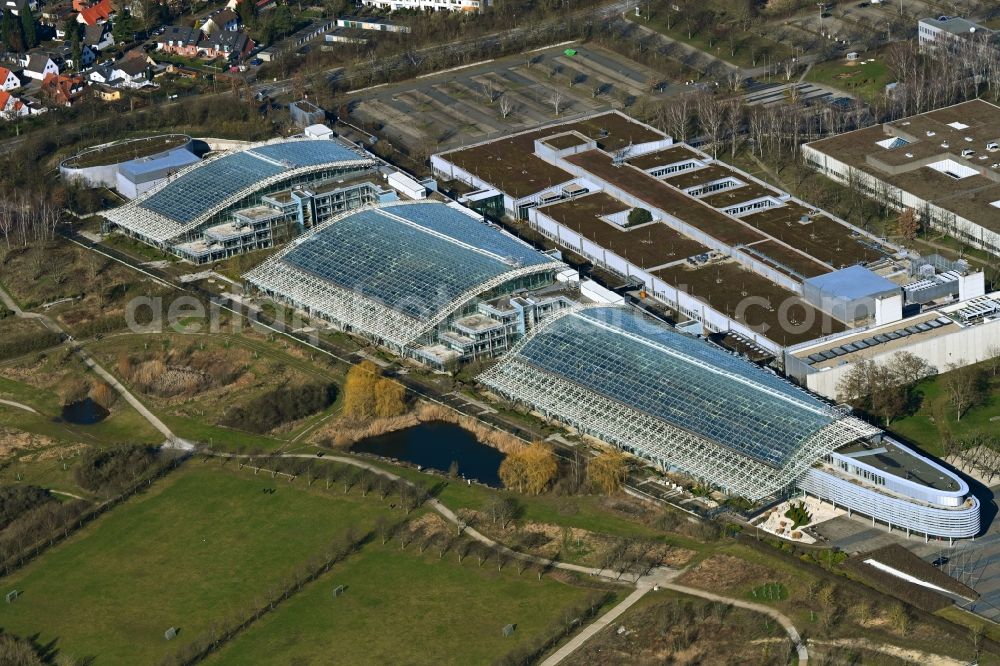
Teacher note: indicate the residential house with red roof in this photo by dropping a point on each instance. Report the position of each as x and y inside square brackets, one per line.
[8, 80]
[11, 107]
[99, 12]
[63, 89]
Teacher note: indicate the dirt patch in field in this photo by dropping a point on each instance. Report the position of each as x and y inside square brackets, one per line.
[568, 543]
[15, 442]
[725, 573]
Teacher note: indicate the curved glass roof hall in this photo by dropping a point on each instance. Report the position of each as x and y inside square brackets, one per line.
[196, 193]
[631, 381]
[396, 271]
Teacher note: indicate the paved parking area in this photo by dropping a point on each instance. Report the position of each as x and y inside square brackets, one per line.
[470, 104]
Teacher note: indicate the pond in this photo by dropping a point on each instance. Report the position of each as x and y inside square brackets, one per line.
[84, 412]
[437, 444]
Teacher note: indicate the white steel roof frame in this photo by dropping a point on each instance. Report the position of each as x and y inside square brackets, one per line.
[353, 308]
[160, 229]
[623, 426]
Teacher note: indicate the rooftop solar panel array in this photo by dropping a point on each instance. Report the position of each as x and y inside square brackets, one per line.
[879, 339]
[730, 402]
[403, 265]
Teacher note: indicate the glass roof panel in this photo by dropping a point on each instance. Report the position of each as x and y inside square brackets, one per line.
[634, 360]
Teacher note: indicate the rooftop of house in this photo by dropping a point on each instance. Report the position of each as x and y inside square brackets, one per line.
[225, 17]
[182, 34]
[99, 11]
[37, 62]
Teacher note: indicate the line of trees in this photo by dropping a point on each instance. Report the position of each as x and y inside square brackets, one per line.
[979, 452]
[25, 343]
[108, 472]
[266, 601]
[41, 527]
[28, 218]
[884, 390]
[566, 624]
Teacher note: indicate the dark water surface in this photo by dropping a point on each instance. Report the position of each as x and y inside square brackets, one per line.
[84, 412]
[436, 444]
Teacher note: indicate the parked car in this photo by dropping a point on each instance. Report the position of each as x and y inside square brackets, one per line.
[256, 62]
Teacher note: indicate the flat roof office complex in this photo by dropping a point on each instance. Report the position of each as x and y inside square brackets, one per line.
[717, 235]
[629, 380]
[723, 251]
[427, 280]
[943, 164]
[235, 201]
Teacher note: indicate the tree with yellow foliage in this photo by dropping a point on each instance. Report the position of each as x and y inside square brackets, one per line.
[607, 471]
[390, 398]
[529, 470]
[908, 225]
[367, 394]
[359, 391]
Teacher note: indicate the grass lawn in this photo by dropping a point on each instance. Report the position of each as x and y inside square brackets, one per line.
[123, 425]
[865, 79]
[921, 428]
[197, 548]
[402, 607]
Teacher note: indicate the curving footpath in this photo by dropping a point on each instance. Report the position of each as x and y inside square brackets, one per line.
[781, 618]
[18, 405]
[660, 577]
[171, 440]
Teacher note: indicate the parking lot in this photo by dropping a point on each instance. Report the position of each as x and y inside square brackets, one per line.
[498, 97]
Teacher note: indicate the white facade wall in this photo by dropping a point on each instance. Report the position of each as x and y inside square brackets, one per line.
[407, 186]
[898, 199]
[965, 347]
[958, 523]
[432, 5]
[12, 82]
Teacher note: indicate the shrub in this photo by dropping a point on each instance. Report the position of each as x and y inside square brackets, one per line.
[17, 500]
[110, 471]
[282, 405]
[639, 216]
[25, 343]
[798, 515]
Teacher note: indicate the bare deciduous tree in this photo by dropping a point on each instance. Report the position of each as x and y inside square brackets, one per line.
[506, 106]
[556, 99]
